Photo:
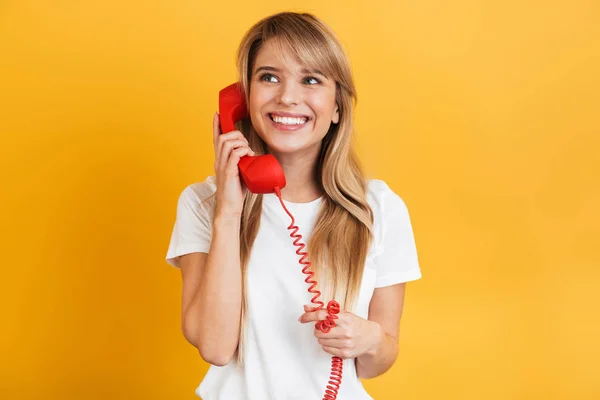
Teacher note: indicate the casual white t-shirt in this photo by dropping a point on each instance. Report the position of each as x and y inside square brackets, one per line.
[282, 358]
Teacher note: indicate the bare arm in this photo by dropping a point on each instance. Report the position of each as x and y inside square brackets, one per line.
[385, 309]
[212, 294]
[212, 283]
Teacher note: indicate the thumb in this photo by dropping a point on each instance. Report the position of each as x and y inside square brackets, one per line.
[216, 128]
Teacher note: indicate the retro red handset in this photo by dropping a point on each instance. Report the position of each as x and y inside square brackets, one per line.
[263, 174]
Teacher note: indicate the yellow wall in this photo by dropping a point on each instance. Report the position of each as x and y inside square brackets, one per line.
[482, 115]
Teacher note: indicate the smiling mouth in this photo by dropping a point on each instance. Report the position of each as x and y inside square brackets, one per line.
[288, 121]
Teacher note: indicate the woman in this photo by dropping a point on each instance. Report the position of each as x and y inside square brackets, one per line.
[243, 287]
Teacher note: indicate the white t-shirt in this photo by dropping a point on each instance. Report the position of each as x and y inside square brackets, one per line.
[283, 359]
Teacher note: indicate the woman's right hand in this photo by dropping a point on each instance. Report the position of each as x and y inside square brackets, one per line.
[229, 148]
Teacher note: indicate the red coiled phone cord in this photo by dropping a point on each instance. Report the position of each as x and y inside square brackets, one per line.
[333, 306]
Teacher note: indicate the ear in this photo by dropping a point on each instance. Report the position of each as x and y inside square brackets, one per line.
[336, 115]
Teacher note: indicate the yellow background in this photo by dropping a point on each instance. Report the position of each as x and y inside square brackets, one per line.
[482, 115]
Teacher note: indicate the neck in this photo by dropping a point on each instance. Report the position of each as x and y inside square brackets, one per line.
[301, 180]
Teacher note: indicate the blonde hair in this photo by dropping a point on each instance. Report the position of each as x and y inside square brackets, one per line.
[343, 232]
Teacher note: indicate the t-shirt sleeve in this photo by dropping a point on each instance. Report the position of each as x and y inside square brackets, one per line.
[192, 231]
[397, 261]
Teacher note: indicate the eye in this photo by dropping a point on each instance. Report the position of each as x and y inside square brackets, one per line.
[312, 80]
[268, 78]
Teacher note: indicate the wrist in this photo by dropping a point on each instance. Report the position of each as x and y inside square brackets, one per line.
[224, 215]
[224, 220]
[378, 337]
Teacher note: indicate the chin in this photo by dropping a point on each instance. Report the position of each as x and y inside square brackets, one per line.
[292, 148]
[283, 149]
[287, 142]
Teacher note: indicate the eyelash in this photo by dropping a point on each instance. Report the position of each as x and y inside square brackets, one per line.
[262, 78]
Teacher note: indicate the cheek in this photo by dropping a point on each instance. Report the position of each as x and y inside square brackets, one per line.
[323, 105]
[257, 100]
[253, 104]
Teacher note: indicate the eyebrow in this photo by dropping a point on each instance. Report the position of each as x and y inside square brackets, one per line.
[304, 70]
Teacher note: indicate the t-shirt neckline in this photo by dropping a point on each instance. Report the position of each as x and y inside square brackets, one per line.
[272, 198]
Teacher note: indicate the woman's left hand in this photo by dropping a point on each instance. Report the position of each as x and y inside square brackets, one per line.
[352, 336]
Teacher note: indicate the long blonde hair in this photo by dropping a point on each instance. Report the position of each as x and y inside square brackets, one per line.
[343, 232]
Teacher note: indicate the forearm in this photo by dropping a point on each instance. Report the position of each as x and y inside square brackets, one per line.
[378, 360]
[215, 309]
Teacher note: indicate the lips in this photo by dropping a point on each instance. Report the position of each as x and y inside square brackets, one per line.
[288, 114]
[288, 121]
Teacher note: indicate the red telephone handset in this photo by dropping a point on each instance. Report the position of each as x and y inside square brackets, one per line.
[261, 174]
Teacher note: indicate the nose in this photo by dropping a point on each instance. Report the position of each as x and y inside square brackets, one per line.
[290, 93]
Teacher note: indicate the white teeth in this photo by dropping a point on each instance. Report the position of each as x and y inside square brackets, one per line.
[289, 120]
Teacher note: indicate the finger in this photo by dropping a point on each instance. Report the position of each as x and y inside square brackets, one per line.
[235, 158]
[228, 147]
[334, 333]
[341, 314]
[233, 135]
[224, 138]
[342, 353]
[319, 315]
[216, 132]
[216, 129]
[336, 343]
[310, 308]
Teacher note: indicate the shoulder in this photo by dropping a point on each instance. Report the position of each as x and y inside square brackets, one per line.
[382, 198]
[198, 195]
[390, 213]
[201, 190]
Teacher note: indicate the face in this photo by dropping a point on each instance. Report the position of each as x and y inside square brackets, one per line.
[291, 107]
